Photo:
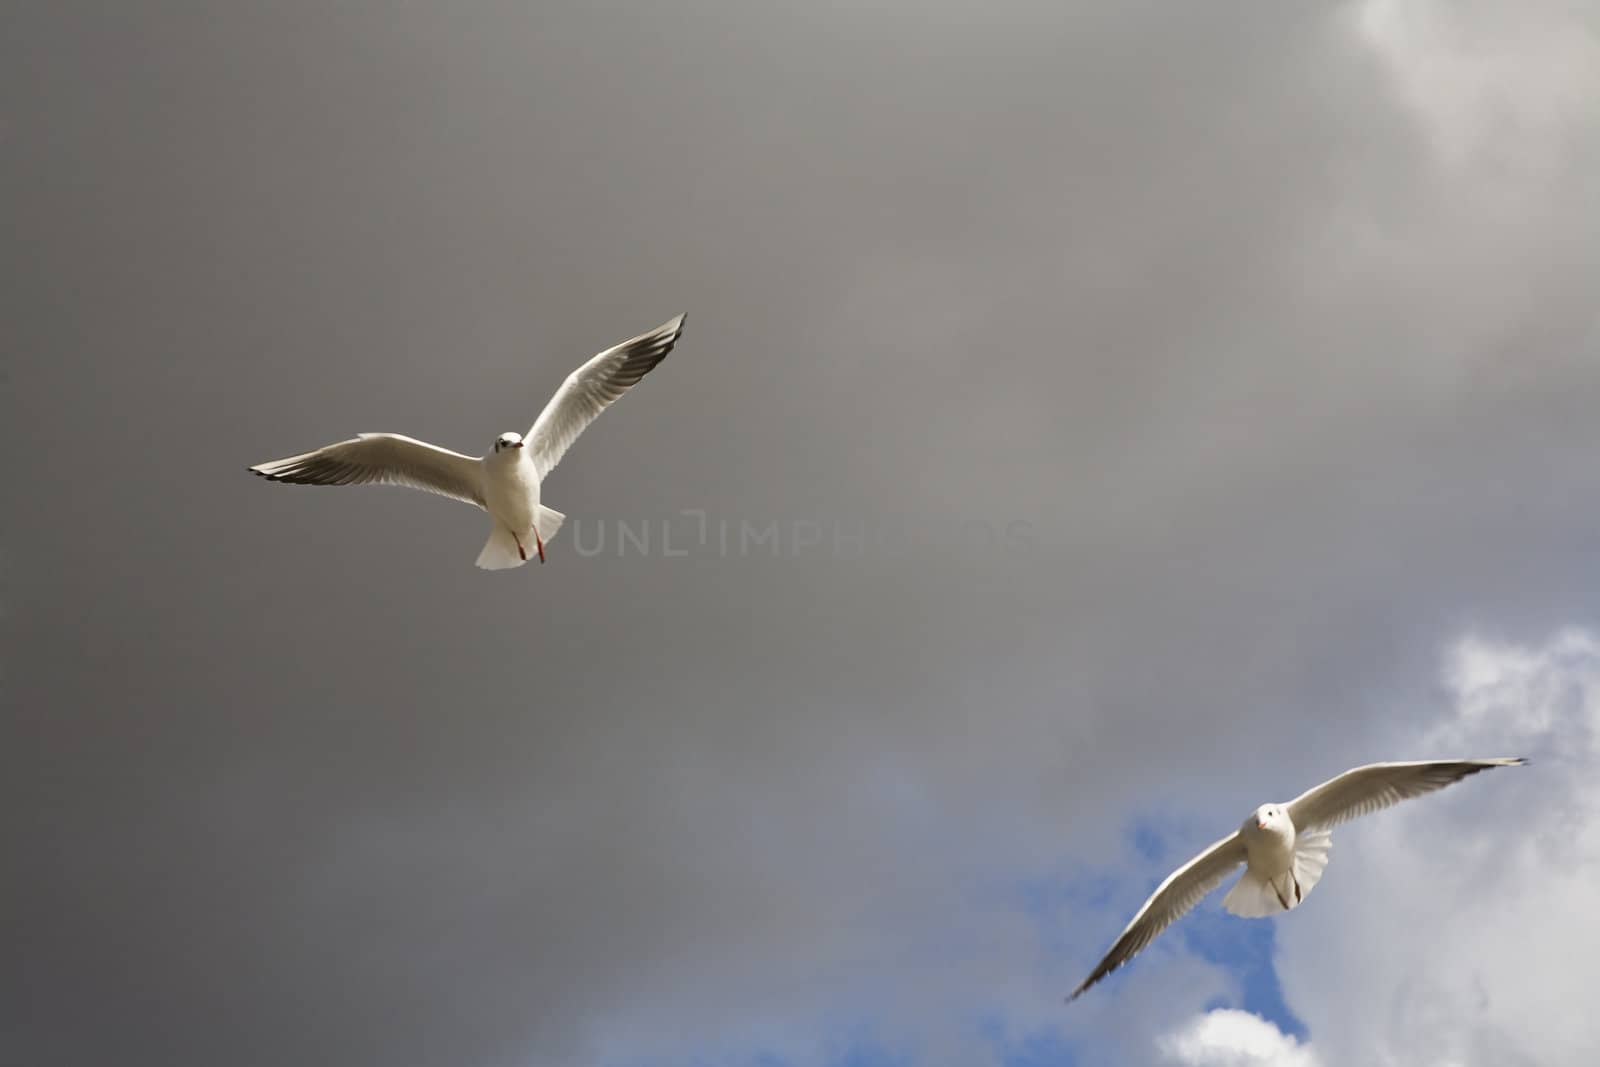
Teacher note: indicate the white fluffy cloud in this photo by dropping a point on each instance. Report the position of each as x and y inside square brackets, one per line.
[1500, 83]
[1227, 1037]
[1455, 930]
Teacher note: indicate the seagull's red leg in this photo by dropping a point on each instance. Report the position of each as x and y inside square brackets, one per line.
[520, 550]
[540, 542]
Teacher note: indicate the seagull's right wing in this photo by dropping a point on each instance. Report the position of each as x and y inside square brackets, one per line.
[592, 388]
[1172, 899]
[383, 459]
[1377, 786]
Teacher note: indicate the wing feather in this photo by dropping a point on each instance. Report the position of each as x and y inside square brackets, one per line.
[1174, 898]
[593, 387]
[383, 459]
[1376, 786]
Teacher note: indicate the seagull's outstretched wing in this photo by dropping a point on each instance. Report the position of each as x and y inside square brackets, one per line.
[1172, 899]
[383, 459]
[592, 388]
[1378, 785]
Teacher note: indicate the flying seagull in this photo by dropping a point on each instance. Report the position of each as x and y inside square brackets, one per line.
[505, 483]
[1284, 848]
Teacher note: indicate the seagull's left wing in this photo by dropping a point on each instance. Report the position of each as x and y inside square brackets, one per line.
[592, 388]
[383, 459]
[1172, 899]
[1379, 785]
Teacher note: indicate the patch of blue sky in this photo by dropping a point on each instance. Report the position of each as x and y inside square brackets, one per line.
[1040, 1048]
[1243, 948]
[872, 1054]
[846, 1044]
[1043, 1049]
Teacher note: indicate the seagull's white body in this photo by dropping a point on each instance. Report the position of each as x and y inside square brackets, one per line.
[511, 487]
[1284, 849]
[1281, 863]
[511, 482]
[1268, 850]
[506, 481]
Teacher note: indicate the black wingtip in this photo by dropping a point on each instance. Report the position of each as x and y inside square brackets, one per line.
[1087, 984]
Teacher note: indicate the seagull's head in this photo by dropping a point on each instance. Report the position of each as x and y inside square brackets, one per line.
[1268, 817]
[508, 440]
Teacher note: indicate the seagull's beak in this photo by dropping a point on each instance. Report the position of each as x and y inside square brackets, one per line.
[1260, 825]
[517, 445]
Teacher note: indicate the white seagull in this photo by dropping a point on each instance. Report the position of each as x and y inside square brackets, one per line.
[505, 483]
[1284, 848]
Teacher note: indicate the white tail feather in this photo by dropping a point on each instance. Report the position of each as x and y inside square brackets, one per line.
[549, 521]
[1311, 857]
[1255, 896]
[1252, 897]
[500, 551]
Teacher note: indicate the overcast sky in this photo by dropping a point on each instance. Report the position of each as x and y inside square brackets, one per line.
[1216, 385]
